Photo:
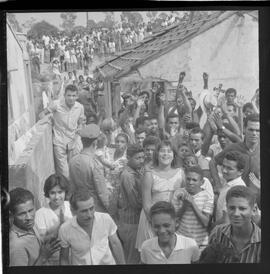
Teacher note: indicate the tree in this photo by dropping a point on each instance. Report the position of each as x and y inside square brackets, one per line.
[13, 22]
[27, 25]
[151, 14]
[68, 21]
[91, 24]
[42, 28]
[133, 18]
[109, 20]
[78, 29]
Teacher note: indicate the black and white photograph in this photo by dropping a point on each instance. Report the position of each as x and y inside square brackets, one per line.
[133, 137]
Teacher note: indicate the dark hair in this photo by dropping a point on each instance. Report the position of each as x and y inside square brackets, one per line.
[87, 142]
[254, 117]
[232, 104]
[191, 125]
[181, 144]
[152, 117]
[237, 157]
[172, 115]
[134, 149]
[162, 207]
[247, 105]
[243, 192]
[19, 196]
[140, 121]
[230, 90]
[81, 194]
[140, 130]
[56, 180]
[151, 140]
[71, 88]
[144, 92]
[164, 143]
[197, 130]
[190, 155]
[196, 169]
[91, 115]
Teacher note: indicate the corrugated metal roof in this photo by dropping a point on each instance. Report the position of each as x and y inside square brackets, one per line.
[160, 43]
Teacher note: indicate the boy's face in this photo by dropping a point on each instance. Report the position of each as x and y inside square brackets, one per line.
[193, 183]
[140, 138]
[239, 211]
[164, 227]
[195, 141]
[230, 170]
[230, 97]
[183, 151]
[153, 125]
[149, 152]
[136, 161]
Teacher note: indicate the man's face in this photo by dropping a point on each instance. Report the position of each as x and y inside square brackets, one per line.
[140, 138]
[230, 97]
[85, 211]
[223, 141]
[248, 111]
[195, 141]
[136, 161]
[24, 216]
[153, 125]
[239, 211]
[173, 123]
[121, 143]
[193, 182]
[164, 227]
[149, 152]
[252, 132]
[57, 196]
[70, 98]
[230, 170]
[70, 75]
[230, 110]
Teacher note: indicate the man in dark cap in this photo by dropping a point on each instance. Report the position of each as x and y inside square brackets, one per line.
[86, 171]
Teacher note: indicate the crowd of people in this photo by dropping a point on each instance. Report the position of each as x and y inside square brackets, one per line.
[75, 51]
[159, 184]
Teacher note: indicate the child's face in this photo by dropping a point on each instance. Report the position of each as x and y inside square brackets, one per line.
[136, 161]
[193, 183]
[183, 151]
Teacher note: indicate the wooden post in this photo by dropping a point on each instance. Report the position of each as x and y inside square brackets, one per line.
[108, 98]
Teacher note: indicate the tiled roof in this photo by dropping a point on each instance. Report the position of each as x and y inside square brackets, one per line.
[160, 43]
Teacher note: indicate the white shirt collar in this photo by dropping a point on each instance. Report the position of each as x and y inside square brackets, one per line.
[236, 181]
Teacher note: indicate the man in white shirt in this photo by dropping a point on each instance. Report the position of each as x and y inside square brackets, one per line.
[90, 235]
[232, 169]
[167, 247]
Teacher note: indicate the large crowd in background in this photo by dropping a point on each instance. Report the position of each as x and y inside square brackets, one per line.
[158, 183]
[76, 51]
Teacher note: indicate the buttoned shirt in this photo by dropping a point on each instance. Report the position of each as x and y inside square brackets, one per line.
[24, 246]
[86, 251]
[252, 163]
[130, 200]
[65, 121]
[221, 202]
[251, 253]
[184, 252]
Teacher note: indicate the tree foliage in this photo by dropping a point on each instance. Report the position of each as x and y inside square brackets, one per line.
[29, 23]
[151, 14]
[68, 21]
[91, 24]
[42, 28]
[134, 18]
[78, 30]
[13, 22]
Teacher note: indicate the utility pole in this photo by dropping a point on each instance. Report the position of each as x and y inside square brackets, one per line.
[87, 20]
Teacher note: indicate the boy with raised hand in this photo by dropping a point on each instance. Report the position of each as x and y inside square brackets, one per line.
[197, 207]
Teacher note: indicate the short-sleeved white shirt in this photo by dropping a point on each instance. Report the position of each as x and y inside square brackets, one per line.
[186, 251]
[86, 251]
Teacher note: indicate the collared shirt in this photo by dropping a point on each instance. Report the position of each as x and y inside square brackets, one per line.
[130, 201]
[24, 246]
[86, 251]
[86, 171]
[251, 253]
[252, 159]
[65, 121]
[184, 252]
[202, 161]
[221, 202]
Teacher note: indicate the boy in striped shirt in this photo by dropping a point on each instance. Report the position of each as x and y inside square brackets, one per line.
[197, 208]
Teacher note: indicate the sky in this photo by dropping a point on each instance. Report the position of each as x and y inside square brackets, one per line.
[55, 19]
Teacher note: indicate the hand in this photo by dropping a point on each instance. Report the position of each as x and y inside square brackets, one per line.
[49, 247]
[181, 77]
[162, 98]
[254, 180]
[189, 199]
[205, 76]
[218, 120]
[140, 102]
[240, 101]
[212, 123]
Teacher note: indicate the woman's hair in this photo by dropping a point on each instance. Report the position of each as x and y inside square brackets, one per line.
[56, 180]
[164, 143]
